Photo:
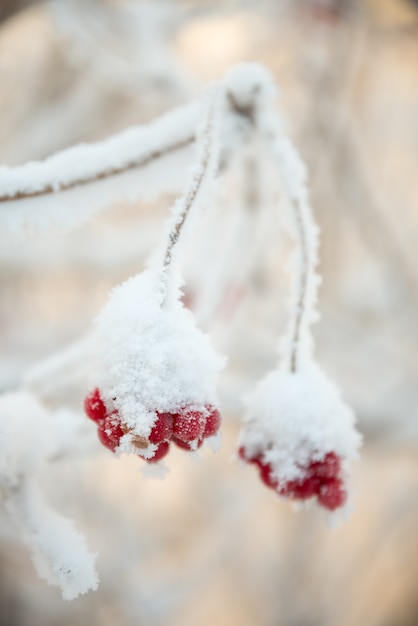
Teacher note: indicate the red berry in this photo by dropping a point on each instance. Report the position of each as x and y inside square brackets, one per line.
[110, 432]
[266, 475]
[162, 429]
[160, 452]
[321, 479]
[213, 422]
[188, 425]
[94, 406]
[256, 459]
[184, 445]
[241, 454]
[332, 494]
[329, 467]
[306, 488]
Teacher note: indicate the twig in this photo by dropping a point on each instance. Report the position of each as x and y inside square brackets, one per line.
[141, 162]
[305, 263]
[305, 279]
[83, 164]
[186, 201]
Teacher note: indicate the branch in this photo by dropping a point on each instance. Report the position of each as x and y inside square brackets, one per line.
[207, 163]
[86, 163]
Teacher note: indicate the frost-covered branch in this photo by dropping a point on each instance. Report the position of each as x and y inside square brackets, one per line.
[78, 165]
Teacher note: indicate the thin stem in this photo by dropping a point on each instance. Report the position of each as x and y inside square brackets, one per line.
[302, 282]
[187, 200]
[305, 280]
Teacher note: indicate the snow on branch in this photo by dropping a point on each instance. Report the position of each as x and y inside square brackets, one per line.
[93, 176]
[84, 163]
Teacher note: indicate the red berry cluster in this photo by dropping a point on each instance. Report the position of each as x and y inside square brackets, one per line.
[321, 479]
[187, 428]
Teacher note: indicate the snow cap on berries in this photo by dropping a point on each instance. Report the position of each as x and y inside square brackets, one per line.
[154, 358]
[295, 418]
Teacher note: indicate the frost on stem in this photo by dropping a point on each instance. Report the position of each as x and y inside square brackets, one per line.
[158, 370]
[297, 346]
[27, 443]
[233, 238]
[202, 177]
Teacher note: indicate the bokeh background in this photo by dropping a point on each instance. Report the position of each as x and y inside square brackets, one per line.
[209, 544]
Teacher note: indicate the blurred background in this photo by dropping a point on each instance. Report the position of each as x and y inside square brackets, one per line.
[210, 544]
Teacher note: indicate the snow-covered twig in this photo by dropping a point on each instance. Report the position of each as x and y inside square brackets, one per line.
[79, 165]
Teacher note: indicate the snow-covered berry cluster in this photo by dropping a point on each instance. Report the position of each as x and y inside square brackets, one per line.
[187, 428]
[300, 435]
[157, 373]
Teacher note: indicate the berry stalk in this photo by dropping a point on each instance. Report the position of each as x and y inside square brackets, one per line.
[299, 344]
[207, 163]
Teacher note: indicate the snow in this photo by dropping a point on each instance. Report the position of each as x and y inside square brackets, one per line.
[295, 418]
